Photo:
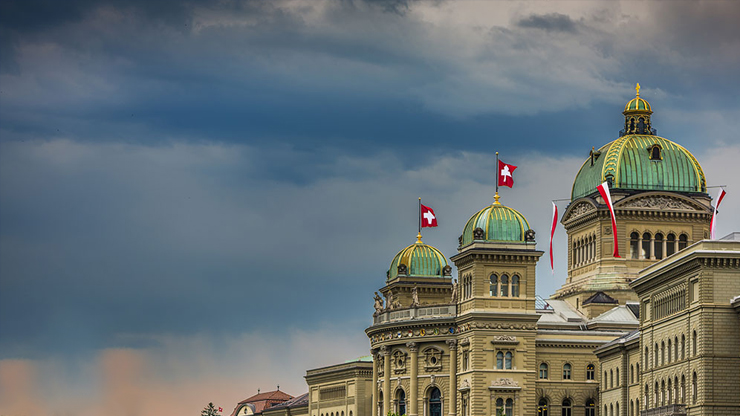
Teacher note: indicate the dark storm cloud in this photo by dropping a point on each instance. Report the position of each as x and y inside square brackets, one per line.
[554, 22]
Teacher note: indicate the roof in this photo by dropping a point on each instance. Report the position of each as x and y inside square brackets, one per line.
[262, 401]
[498, 222]
[626, 163]
[618, 315]
[600, 297]
[619, 341]
[735, 236]
[420, 260]
[298, 401]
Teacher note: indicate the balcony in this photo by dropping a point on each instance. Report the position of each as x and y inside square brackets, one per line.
[423, 312]
[670, 410]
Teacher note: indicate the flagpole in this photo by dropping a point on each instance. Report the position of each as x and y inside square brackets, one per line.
[419, 236]
[495, 197]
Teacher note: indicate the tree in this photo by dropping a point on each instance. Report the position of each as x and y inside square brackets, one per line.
[209, 410]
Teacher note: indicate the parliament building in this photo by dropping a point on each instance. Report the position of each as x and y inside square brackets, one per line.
[655, 331]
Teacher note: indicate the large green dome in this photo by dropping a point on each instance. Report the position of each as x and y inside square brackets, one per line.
[632, 162]
[419, 260]
[498, 223]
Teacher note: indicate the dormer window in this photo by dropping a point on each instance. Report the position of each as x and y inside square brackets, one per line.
[655, 152]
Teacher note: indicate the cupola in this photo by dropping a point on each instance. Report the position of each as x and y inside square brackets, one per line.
[419, 260]
[496, 223]
[637, 116]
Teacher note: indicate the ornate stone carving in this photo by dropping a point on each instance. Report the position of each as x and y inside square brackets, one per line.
[432, 379]
[505, 338]
[529, 235]
[452, 343]
[378, 304]
[415, 297]
[505, 382]
[384, 350]
[608, 230]
[447, 270]
[581, 209]
[453, 298]
[412, 346]
[478, 234]
[658, 202]
[459, 240]
[402, 269]
[465, 385]
[399, 362]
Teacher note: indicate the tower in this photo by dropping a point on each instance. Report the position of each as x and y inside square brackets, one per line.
[496, 315]
[661, 205]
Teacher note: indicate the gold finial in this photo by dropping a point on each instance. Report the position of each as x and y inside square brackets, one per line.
[495, 199]
[418, 239]
[637, 89]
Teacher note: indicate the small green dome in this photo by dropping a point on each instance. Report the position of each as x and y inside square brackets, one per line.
[637, 104]
[643, 163]
[498, 223]
[419, 260]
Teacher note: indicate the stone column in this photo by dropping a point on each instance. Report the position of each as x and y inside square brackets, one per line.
[652, 247]
[453, 376]
[413, 400]
[639, 247]
[374, 397]
[386, 351]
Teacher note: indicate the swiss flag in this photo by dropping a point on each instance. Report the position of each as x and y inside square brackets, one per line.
[428, 219]
[505, 172]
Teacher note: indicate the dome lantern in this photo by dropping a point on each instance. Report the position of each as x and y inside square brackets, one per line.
[637, 116]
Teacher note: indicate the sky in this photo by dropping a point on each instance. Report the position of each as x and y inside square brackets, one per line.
[198, 199]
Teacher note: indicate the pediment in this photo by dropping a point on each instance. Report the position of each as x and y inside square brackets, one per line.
[661, 202]
[578, 209]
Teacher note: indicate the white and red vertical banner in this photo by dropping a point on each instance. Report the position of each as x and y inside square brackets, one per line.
[505, 174]
[604, 191]
[721, 195]
[428, 219]
[552, 234]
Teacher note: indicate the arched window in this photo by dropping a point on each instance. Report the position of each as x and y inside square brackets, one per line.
[435, 402]
[500, 360]
[647, 396]
[675, 349]
[656, 352]
[647, 358]
[658, 246]
[606, 380]
[507, 361]
[504, 285]
[543, 371]
[634, 245]
[542, 407]
[662, 392]
[656, 394]
[669, 351]
[683, 389]
[637, 372]
[515, 286]
[611, 378]
[567, 408]
[590, 407]
[381, 410]
[611, 409]
[493, 287]
[632, 373]
[637, 407]
[617, 408]
[669, 392]
[590, 372]
[693, 346]
[683, 346]
[662, 352]
[499, 406]
[654, 151]
[645, 254]
[509, 407]
[566, 371]
[693, 388]
[401, 398]
[676, 391]
[618, 379]
[670, 246]
[683, 241]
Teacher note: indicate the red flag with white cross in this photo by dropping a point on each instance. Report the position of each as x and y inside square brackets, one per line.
[428, 219]
[505, 174]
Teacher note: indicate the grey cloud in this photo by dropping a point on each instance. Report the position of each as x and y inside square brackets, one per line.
[553, 22]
